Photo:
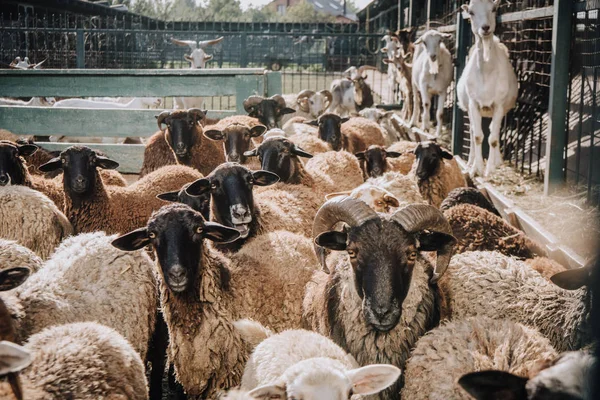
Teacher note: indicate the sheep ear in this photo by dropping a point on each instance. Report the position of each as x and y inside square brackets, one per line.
[14, 358]
[198, 187]
[297, 151]
[332, 240]
[572, 279]
[169, 196]
[345, 119]
[391, 201]
[27, 149]
[12, 277]
[133, 240]
[52, 165]
[267, 392]
[313, 122]
[219, 233]
[106, 163]
[257, 130]
[251, 153]
[433, 241]
[287, 110]
[373, 379]
[214, 134]
[360, 155]
[393, 154]
[264, 178]
[494, 385]
[447, 155]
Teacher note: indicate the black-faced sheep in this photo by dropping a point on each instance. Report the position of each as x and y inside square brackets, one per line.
[378, 299]
[199, 203]
[376, 160]
[181, 142]
[236, 133]
[203, 292]
[268, 111]
[90, 205]
[13, 255]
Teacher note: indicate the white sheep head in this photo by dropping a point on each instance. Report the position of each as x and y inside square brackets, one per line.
[432, 40]
[198, 56]
[314, 103]
[376, 197]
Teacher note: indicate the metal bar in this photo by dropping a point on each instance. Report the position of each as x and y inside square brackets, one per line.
[580, 131]
[80, 49]
[561, 45]
[590, 181]
[243, 50]
[537, 13]
[463, 40]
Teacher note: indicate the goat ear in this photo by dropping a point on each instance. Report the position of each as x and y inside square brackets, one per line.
[287, 110]
[391, 201]
[198, 187]
[433, 241]
[446, 35]
[267, 392]
[419, 40]
[188, 58]
[387, 61]
[12, 277]
[494, 384]
[106, 163]
[257, 130]
[214, 134]
[465, 8]
[345, 119]
[169, 196]
[393, 154]
[314, 122]
[219, 233]
[264, 178]
[360, 155]
[447, 155]
[208, 57]
[133, 240]
[372, 379]
[384, 50]
[27, 149]
[332, 240]
[297, 151]
[572, 279]
[52, 165]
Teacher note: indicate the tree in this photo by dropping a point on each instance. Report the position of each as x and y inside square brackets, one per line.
[223, 10]
[305, 12]
[264, 14]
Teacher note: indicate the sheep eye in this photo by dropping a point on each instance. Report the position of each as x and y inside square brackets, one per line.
[152, 235]
[213, 186]
[199, 229]
[412, 256]
[352, 253]
[251, 181]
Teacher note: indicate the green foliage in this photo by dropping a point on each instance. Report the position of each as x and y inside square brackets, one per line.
[305, 12]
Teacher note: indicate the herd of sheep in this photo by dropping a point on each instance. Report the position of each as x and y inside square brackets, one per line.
[282, 254]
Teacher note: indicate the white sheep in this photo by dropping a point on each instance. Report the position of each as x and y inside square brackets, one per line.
[402, 187]
[375, 197]
[432, 73]
[13, 255]
[487, 86]
[305, 365]
[308, 104]
[135, 103]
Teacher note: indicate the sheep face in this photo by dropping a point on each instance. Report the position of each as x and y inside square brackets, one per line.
[172, 232]
[428, 158]
[12, 165]
[230, 186]
[375, 160]
[79, 170]
[198, 203]
[279, 156]
[181, 134]
[483, 16]
[382, 255]
[268, 111]
[236, 139]
[330, 129]
[10, 278]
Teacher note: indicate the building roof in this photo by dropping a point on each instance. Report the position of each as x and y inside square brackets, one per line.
[332, 7]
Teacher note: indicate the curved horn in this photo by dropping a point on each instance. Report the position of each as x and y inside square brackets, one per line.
[251, 102]
[251, 153]
[205, 43]
[198, 113]
[160, 119]
[420, 217]
[305, 94]
[364, 68]
[329, 97]
[279, 99]
[339, 209]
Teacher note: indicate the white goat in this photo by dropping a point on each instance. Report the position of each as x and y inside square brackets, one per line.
[308, 104]
[392, 45]
[431, 75]
[18, 64]
[487, 86]
[136, 103]
[349, 93]
[197, 59]
[149, 102]
[33, 102]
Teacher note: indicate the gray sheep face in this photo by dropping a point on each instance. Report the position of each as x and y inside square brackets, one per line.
[374, 160]
[237, 139]
[230, 187]
[12, 165]
[429, 155]
[79, 165]
[181, 133]
[268, 111]
[330, 129]
[198, 203]
[279, 156]
[172, 232]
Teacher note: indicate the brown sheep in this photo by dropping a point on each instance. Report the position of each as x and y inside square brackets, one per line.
[377, 160]
[238, 134]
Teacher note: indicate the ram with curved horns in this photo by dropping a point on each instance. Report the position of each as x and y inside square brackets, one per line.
[308, 104]
[267, 110]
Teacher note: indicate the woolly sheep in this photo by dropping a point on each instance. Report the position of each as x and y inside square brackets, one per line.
[492, 284]
[236, 133]
[545, 266]
[376, 160]
[13, 255]
[306, 365]
[352, 135]
[467, 195]
[269, 111]
[32, 220]
[204, 285]
[436, 172]
[85, 361]
[375, 197]
[432, 73]
[455, 348]
[377, 315]
[181, 142]
[488, 85]
[392, 131]
[402, 187]
[198, 203]
[90, 205]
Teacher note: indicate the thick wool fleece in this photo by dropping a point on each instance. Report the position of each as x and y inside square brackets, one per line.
[310, 142]
[84, 361]
[87, 279]
[436, 188]
[545, 266]
[492, 284]
[333, 171]
[14, 255]
[32, 219]
[333, 308]
[206, 154]
[479, 229]
[401, 186]
[264, 281]
[446, 353]
[116, 209]
[404, 163]
[358, 133]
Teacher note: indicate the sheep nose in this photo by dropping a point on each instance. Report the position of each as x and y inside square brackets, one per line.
[234, 157]
[485, 28]
[180, 146]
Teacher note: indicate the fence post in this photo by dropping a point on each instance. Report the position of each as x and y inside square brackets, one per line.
[411, 13]
[80, 49]
[243, 55]
[463, 40]
[273, 83]
[246, 86]
[558, 103]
